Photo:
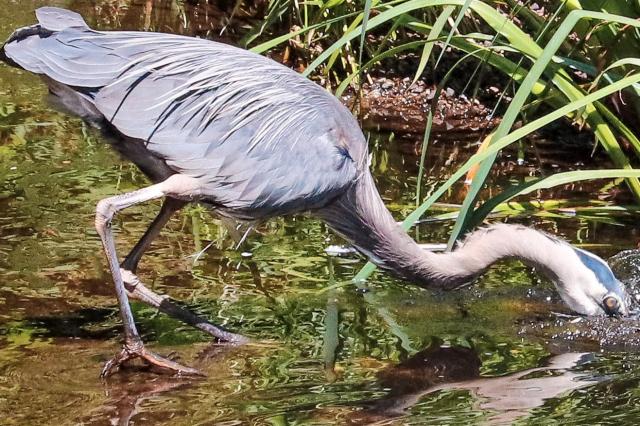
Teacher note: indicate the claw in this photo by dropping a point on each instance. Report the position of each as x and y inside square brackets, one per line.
[130, 352]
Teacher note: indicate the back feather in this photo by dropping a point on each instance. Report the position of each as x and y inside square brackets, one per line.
[261, 139]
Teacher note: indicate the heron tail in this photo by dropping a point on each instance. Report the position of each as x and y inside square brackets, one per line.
[50, 20]
[56, 19]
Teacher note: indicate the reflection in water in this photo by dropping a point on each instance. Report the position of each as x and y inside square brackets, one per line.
[124, 400]
[458, 368]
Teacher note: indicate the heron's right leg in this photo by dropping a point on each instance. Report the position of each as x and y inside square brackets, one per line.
[140, 292]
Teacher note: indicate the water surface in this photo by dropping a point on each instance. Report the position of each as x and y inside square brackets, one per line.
[324, 352]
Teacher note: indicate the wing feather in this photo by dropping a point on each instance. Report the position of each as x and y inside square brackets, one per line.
[262, 139]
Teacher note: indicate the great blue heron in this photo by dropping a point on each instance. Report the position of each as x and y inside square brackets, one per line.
[212, 123]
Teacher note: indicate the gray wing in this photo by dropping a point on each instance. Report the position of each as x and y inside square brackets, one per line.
[259, 136]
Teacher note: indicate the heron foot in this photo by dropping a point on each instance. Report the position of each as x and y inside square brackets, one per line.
[130, 352]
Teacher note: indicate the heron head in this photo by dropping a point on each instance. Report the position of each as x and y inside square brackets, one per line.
[589, 286]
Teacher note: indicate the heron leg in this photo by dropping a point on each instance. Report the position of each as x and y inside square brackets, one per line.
[176, 185]
[169, 207]
[139, 291]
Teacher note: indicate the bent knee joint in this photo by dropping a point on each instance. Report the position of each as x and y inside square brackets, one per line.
[182, 187]
[129, 279]
[104, 214]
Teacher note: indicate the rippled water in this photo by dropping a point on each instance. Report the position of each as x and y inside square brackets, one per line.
[324, 352]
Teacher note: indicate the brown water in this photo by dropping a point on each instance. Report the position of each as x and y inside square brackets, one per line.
[323, 354]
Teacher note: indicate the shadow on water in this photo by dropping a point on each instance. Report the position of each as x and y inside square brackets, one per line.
[325, 353]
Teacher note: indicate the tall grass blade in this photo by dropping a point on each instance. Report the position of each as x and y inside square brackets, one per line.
[263, 47]
[523, 92]
[463, 10]
[365, 21]
[423, 155]
[433, 35]
[551, 181]
[496, 146]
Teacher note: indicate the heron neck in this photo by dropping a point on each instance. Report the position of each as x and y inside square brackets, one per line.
[361, 217]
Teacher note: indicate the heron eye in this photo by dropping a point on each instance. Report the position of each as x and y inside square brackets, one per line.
[611, 305]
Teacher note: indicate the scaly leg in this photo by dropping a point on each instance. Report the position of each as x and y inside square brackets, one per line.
[169, 207]
[178, 186]
[140, 292]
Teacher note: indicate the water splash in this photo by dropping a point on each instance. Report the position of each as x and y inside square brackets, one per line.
[626, 267]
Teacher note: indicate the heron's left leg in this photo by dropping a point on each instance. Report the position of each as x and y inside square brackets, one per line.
[178, 186]
[169, 207]
[164, 304]
[140, 292]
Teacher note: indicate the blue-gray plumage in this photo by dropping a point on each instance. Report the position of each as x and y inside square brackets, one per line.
[197, 105]
[212, 123]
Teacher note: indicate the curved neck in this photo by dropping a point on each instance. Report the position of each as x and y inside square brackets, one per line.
[361, 217]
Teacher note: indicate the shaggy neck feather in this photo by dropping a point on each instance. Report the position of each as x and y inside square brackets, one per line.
[361, 217]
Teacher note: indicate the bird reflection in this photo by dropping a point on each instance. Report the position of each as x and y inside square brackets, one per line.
[125, 400]
[446, 368]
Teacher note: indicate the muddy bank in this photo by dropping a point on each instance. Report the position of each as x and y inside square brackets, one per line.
[396, 105]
